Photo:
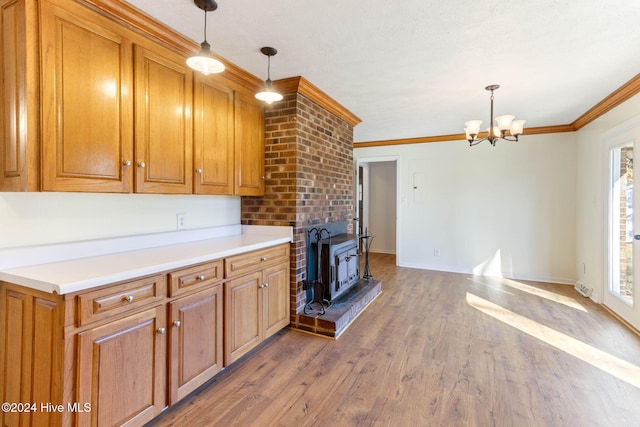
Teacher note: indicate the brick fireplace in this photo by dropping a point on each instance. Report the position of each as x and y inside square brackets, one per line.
[308, 170]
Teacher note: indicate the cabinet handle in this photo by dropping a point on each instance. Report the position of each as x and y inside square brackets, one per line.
[177, 323]
[201, 277]
[262, 178]
[142, 164]
[198, 170]
[263, 259]
[126, 163]
[129, 298]
[161, 331]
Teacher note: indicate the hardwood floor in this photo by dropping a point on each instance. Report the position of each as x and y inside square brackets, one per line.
[437, 349]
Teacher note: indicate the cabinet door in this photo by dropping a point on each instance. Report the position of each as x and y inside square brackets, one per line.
[163, 131]
[31, 356]
[196, 341]
[249, 146]
[276, 298]
[213, 137]
[19, 97]
[122, 370]
[243, 315]
[87, 112]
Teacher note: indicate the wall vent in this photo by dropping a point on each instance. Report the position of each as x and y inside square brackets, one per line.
[583, 289]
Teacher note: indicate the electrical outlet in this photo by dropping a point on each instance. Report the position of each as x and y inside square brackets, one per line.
[436, 252]
[182, 220]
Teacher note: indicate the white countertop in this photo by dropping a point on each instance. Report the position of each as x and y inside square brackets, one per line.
[76, 272]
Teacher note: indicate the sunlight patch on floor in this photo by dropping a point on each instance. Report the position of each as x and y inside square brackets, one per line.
[548, 295]
[619, 368]
[488, 284]
[490, 267]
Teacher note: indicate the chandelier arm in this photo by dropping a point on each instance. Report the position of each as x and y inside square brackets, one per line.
[476, 141]
[511, 138]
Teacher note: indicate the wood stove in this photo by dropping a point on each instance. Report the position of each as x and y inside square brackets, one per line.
[340, 264]
[333, 262]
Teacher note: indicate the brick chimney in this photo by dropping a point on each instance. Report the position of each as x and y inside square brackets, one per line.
[309, 172]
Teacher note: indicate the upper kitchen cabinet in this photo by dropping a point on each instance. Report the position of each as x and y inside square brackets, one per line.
[163, 124]
[228, 138]
[249, 148]
[87, 109]
[213, 136]
[19, 109]
[96, 97]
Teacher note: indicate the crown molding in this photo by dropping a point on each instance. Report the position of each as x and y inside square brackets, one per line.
[150, 28]
[304, 87]
[455, 137]
[617, 97]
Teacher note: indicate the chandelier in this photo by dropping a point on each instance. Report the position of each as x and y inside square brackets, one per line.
[494, 133]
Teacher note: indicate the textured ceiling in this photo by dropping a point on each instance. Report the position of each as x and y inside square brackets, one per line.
[415, 68]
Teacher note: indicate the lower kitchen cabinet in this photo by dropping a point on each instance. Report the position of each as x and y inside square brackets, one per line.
[275, 296]
[257, 302]
[242, 305]
[122, 370]
[31, 347]
[195, 326]
[119, 354]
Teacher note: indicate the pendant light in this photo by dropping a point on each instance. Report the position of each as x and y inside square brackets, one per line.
[204, 61]
[268, 94]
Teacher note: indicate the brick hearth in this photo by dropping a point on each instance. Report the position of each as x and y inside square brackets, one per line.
[341, 313]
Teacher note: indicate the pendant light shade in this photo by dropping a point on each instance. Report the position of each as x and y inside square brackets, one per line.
[204, 60]
[268, 94]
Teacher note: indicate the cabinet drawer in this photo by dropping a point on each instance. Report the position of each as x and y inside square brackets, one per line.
[119, 299]
[239, 264]
[196, 277]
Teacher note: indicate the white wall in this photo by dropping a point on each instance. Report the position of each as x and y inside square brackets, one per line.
[40, 218]
[591, 196]
[507, 210]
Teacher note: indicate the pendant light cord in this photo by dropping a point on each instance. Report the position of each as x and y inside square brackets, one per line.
[205, 25]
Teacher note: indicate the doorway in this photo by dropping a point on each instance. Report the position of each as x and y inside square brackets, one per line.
[623, 227]
[377, 203]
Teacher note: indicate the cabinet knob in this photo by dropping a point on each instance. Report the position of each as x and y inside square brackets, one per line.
[266, 285]
[198, 170]
[129, 298]
[262, 177]
[161, 331]
[261, 286]
[177, 323]
[126, 163]
[142, 164]
[263, 259]
[201, 277]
